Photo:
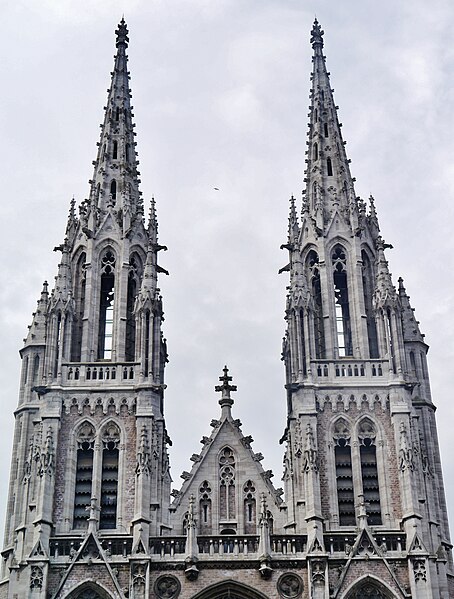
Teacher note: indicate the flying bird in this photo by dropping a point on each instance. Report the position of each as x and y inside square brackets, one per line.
[216, 188]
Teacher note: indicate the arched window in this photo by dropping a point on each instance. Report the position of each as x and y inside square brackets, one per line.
[227, 508]
[113, 190]
[369, 590]
[205, 511]
[315, 115]
[390, 336]
[344, 474]
[109, 476]
[106, 307]
[58, 341]
[329, 167]
[134, 279]
[128, 153]
[342, 308]
[85, 442]
[35, 369]
[250, 508]
[325, 129]
[315, 152]
[79, 297]
[117, 113]
[369, 471]
[115, 150]
[25, 370]
[313, 276]
[368, 290]
[147, 343]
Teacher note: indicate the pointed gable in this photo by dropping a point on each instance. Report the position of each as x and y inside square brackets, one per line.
[227, 479]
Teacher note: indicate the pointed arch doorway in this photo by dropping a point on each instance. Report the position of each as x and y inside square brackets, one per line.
[229, 589]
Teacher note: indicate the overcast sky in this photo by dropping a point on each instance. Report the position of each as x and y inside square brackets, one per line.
[221, 91]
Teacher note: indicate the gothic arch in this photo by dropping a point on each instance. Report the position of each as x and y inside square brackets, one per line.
[369, 587]
[229, 589]
[89, 590]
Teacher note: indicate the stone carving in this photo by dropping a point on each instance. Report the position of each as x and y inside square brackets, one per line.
[318, 572]
[298, 439]
[143, 455]
[139, 572]
[47, 455]
[167, 587]
[36, 577]
[405, 451]
[310, 451]
[419, 569]
[290, 586]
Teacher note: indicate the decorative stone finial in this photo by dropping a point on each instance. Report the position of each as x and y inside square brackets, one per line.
[122, 34]
[226, 388]
[317, 35]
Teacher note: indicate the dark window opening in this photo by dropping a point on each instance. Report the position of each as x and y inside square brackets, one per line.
[113, 189]
[57, 344]
[368, 290]
[344, 482]
[115, 150]
[109, 485]
[325, 129]
[128, 153]
[147, 343]
[83, 490]
[117, 113]
[369, 475]
[135, 271]
[314, 278]
[329, 167]
[79, 296]
[315, 154]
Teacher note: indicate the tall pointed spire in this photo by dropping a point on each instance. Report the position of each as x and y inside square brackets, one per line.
[115, 183]
[329, 184]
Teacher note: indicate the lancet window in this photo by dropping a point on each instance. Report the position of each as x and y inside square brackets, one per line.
[369, 471]
[315, 152]
[113, 190]
[329, 167]
[313, 276]
[357, 475]
[134, 279]
[250, 508]
[109, 476]
[85, 441]
[35, 369]
[79, 297]
[368, 290]
[342, 308]
[58, 342]
[106, 307]
[344, 474]
[205, 508]
[227, 507]
[115, 150]
[147, 343]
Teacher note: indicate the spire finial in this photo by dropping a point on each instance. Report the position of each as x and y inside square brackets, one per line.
[226, 388]
[317, 35]
[122, 34]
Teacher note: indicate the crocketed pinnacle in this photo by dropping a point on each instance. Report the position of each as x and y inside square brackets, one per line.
[410, 325]
[37, 330]
[385, 292]
[115, 183]
[329, 184]
[61, 296]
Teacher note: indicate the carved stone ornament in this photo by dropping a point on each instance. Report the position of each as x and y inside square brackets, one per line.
[290, 586]
[143, 455]
[167, 587]
[310, 451]
[36, 577]
[139, 572]
[419, 569]
[318, 572]
[405, 451]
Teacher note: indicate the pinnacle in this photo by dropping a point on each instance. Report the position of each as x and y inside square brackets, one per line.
[226, 388]
[122, 34]
[317, 35]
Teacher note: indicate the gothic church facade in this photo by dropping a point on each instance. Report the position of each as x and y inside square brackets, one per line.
[91, 514]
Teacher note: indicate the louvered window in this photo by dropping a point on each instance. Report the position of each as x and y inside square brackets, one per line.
[84, 475]
[109, 477]
[369, 471]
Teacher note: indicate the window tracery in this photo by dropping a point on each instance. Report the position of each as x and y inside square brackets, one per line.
[342, 308]
[85, 442]
[109, 477]
[227, 508]
[313, 276]
[250, 507]
[134, 279]
[106, 310]
[205, 507]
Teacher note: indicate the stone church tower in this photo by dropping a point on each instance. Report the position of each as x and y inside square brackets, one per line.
[91, 514]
